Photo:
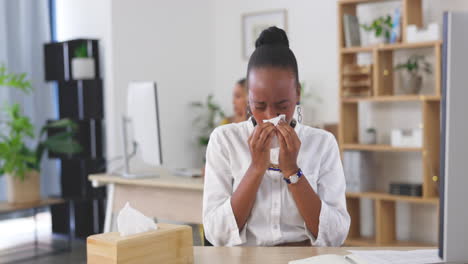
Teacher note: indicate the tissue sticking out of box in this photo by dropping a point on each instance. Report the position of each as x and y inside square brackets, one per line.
[131, 221]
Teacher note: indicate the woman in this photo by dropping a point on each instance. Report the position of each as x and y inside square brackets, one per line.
[239, 103]
[248, 200]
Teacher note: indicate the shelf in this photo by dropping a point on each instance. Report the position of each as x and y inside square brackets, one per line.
[391, 98]
[370, 242]
[395, 46]
[382, 148]
[362, 1]
[393, 197]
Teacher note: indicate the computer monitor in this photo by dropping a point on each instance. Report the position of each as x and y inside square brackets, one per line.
[143, 120]
[453, 236]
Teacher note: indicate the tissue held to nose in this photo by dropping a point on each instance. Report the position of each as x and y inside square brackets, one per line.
[131, 221]
[274, 147]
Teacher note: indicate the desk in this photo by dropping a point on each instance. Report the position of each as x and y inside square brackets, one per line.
[168, 197]
[270, 255]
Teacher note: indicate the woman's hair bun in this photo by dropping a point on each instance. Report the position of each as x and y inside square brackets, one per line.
[272, 36]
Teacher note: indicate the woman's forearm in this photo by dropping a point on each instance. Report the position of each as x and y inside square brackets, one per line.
[243, 198]
[308, 203]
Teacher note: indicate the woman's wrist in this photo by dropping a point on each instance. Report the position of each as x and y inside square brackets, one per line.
[290, 171]
[256, 170]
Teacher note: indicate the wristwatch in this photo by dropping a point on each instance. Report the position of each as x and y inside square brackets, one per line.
[293, 179]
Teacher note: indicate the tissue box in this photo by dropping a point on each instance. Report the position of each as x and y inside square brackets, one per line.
[168, 244]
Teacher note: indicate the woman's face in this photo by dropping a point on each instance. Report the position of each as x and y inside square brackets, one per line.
[239, 100]
[272, 92]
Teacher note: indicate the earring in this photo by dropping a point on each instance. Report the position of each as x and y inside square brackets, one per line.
[249, 113]
[299, 113]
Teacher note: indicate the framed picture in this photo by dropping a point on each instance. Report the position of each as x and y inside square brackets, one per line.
[254, 23]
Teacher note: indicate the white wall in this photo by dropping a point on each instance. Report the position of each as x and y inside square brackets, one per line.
[170, 42]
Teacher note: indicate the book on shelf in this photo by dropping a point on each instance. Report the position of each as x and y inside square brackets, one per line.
[351, 31]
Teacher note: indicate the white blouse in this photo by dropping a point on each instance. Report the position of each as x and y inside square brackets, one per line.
[274, 218]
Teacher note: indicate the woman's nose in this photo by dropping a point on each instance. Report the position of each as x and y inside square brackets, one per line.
[271, 113]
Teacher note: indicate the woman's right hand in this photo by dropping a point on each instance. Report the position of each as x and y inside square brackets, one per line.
[259, 145]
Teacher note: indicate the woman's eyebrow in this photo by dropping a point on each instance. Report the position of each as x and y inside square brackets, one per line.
[282, 102]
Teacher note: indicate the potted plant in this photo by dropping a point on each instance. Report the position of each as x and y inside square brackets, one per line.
[209, 118]
[382, 27]
[414, 66]
[310, 101]
[370, 136]
[82, 65]
[20, 161]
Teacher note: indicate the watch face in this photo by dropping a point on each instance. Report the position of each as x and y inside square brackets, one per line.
[294, 179]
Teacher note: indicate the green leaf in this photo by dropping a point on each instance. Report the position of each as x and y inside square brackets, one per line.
[378, 32]
[81, 51]
[13, 80]
[62, 124]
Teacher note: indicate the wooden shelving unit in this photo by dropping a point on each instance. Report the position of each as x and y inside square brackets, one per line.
[383, 92]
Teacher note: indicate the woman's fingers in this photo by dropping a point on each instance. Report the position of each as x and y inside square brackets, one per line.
[282, 140]
[285, 135]
[266, 134]
[260, 134]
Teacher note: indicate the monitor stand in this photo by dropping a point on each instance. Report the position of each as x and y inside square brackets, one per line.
[126, 173]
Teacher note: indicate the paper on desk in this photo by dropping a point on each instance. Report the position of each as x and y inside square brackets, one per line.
[398, 257]
[131, 221]
[328, 259]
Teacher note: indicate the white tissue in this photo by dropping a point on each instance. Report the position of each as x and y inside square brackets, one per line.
[131, 221]
[276, 120]
[274, 147]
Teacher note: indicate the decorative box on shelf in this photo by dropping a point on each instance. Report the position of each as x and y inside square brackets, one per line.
[169, 244]
[406, 138]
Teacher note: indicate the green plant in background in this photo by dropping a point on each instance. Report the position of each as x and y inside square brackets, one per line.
[309, 95]
[14, 80]
[382, 27]
[415, 64]
[16, 158]
[81, 51]
[209, 118]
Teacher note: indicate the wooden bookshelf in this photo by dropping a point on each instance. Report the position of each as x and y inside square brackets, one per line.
[381, 148]
[395, 46]
[392, 197]
[383, 91]
[371, 242]
[391, 98]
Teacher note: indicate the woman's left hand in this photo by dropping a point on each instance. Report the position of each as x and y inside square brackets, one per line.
[289, 149]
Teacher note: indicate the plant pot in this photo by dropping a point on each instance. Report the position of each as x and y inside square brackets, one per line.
[374, 40]
[412, 83]
[27, 191]
[83, 68]
[369, 138]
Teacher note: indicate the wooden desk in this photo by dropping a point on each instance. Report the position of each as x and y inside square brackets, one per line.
[168, 197]
[270, 255]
